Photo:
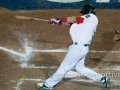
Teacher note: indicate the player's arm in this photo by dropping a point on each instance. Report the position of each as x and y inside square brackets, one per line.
[67, 21]
[73, 19]
[65, 24]
[60, 21]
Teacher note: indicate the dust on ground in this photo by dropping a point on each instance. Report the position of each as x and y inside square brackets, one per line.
[30, 65]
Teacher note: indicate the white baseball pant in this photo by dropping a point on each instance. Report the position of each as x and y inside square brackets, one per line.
[74, 58]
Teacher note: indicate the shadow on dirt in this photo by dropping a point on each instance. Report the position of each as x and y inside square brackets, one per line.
[47, 60]
[99, 63]
[95, 60]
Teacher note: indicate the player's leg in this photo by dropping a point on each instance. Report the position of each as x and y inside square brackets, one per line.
[82, 70]
[67, 64]
[70, 60]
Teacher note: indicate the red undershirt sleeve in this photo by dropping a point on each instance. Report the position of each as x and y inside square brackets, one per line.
[63, 19]
[79, 19]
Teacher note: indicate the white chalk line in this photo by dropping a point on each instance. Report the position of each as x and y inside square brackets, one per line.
[21, 81]
[40, 67]
[65, 50]
[53, 50]
[55, 67]
[18, 86]
[25, 56]
[11, 51]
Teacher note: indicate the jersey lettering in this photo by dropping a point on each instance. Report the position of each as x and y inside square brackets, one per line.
[87, 16]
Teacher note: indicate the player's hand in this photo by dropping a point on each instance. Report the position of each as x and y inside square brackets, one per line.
[54, 21]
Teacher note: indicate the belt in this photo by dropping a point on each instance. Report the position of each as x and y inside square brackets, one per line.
[76, 43]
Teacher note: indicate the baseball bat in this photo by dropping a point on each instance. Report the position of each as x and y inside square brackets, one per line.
[30, 18]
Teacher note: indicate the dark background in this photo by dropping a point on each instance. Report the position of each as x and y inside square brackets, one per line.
[44, 4]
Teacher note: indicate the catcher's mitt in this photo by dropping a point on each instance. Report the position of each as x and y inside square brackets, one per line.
[117, 35]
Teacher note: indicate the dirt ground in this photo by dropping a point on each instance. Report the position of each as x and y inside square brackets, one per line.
[31, 51]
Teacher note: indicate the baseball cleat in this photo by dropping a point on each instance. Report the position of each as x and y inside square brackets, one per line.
[105, 81]
[44, 86]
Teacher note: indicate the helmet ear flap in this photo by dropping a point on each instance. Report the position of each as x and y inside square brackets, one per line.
[93, 10]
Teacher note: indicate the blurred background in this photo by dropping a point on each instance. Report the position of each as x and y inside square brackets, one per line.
[57, 4]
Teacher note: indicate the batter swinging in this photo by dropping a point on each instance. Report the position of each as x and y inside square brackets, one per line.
[82, 28]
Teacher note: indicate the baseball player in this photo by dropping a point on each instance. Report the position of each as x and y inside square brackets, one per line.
[82, 28]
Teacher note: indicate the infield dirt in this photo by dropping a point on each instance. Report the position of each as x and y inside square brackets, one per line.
[27, 38]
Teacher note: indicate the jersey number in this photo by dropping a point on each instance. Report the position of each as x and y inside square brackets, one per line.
[87, 16]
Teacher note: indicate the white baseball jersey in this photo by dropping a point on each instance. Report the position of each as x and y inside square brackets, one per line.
[83, 32]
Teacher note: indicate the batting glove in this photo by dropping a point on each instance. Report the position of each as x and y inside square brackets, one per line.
[54, 21]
